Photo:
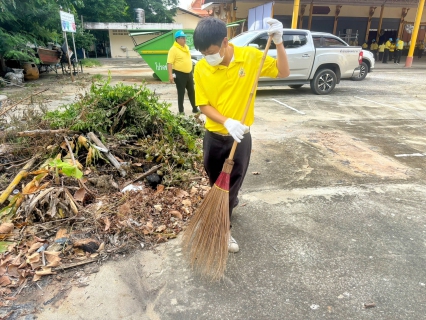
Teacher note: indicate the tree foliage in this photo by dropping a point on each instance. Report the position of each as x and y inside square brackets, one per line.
[104, 11]
[37, 22]
[162, 11]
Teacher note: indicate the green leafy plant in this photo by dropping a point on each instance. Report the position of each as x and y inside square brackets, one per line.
[66, 168]
[23, 56]
[134, 112]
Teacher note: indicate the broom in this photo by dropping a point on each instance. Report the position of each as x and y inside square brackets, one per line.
[206, 238]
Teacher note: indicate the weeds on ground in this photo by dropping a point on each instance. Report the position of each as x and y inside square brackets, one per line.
[90, 63]
[97, 77]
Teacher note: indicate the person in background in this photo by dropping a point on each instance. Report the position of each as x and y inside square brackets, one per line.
[373, 48]
[179, 67]
[386, 53]
[399, 47]
[381, 51]
[421, 49]
[392, 51]
[365, 45]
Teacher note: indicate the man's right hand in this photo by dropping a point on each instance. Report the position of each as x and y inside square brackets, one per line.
[171, 79]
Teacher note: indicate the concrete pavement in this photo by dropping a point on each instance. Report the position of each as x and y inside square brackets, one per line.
[334, 220]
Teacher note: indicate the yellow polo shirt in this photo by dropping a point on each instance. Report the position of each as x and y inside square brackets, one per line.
[374, 46]
[227, 89]
[388, 44]
[180, 58]
[400, 45]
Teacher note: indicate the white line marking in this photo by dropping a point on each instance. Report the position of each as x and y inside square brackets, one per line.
[285, 105]
[410, 155]
[385, 105]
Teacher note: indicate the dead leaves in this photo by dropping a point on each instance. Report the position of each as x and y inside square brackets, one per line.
[107, 224]
[5, 229]
[52, 203]
[176, 214]
[113, 222]
[4, 281]
[87, 245]
[161, 228]
[43, 272]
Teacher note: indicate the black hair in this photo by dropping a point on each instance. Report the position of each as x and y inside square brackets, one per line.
[209, 31]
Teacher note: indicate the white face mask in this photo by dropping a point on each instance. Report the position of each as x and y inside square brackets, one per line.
[214, 59]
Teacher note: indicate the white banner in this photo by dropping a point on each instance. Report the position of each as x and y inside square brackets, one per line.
[67, 22]
[257, 15]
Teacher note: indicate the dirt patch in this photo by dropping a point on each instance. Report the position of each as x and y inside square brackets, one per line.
[355, 157]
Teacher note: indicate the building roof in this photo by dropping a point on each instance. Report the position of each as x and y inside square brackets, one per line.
[366, 3]
[190, 12]
[131, 26]
[196, 8]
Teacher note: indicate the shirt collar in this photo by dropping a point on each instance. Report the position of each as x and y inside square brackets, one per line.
[185, 48]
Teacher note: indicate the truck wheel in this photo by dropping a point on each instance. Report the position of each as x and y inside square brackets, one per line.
[323, 82]
[296, 86]
[362, 72]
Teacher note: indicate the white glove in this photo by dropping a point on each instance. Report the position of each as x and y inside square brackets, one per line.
[235, 128]
[275, 29]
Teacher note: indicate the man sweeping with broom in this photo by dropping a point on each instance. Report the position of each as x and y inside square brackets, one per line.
[225, 82]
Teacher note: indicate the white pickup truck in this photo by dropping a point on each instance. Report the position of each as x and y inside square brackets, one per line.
[312, 61]
[331, 40]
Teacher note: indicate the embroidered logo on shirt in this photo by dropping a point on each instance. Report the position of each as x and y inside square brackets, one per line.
[241, 72]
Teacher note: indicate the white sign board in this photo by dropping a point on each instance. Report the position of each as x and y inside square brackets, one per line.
[257, 16]
[67, 22]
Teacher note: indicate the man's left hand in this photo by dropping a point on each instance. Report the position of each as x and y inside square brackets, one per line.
[276, 30]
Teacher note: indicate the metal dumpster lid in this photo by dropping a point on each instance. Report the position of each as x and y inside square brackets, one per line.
[140, 33]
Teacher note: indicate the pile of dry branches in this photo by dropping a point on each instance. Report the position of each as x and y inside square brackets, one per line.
[71, 197]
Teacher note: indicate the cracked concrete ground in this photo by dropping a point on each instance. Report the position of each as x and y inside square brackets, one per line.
[334, 220]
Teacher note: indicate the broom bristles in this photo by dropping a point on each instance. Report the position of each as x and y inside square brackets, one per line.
[205, 241]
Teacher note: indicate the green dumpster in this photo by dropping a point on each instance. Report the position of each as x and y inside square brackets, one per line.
[154, 51]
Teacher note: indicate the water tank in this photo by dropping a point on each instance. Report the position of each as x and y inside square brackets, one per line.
[140, 15]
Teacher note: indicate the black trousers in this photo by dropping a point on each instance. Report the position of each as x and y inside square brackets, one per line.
[385, 56]
[381, 56]
[216, 150]
[420, 53]
[398, 54]
[374, 54]
[185, 81]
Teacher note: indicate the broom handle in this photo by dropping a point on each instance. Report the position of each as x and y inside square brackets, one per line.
[253, 89]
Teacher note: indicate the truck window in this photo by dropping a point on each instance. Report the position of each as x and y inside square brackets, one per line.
[317, 42]
[332, 42]
[262, 41]
[294, 40]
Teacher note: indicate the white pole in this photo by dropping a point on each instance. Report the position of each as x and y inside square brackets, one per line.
[75, 51]
[68, 55]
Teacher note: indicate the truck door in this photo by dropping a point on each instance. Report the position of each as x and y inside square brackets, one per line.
[300, 52]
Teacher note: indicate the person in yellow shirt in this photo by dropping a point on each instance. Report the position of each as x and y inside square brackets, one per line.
[373, 48]
[179, 67]
[223, 82]
[399, 47]
[365, 45]
[392, 51]
[421, 49]
[381, 51]
[386, 53]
